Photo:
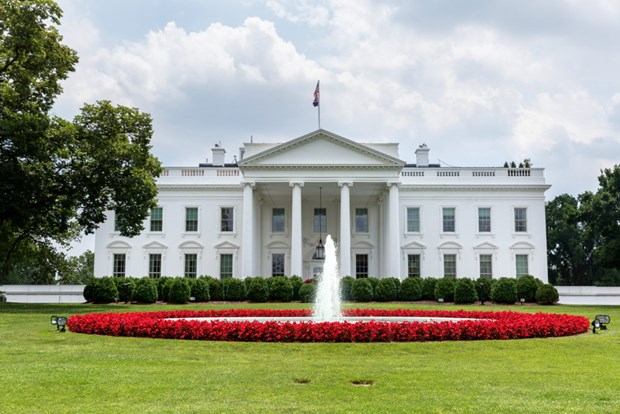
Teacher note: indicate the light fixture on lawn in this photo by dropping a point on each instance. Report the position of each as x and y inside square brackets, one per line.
[54, 320]
[61, 323]
[319, 253]
[522, 301]
[440, 300]
[600, 322]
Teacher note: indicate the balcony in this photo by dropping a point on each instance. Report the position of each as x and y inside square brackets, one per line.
[200, 175]
[472, 176]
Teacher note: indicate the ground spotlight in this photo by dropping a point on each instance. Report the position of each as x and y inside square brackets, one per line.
[522, 301]
[603, 320]
[60, 322]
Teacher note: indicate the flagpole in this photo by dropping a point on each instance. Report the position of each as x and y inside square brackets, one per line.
[319, 106]
[317, 102]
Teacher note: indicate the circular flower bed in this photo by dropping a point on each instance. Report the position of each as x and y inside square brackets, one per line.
[488, 325]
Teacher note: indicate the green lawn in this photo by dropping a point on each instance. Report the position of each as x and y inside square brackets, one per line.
[43, 371]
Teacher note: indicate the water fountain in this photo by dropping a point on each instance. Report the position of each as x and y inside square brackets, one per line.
[327, 305]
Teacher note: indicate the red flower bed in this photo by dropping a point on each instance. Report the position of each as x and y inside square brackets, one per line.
[488, 325]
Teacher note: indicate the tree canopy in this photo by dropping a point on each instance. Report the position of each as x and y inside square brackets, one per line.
[583, 234]
[58, 177]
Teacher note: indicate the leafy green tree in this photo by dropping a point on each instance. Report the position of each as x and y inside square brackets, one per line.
[59, 177]
[604, 216]
[78, 270]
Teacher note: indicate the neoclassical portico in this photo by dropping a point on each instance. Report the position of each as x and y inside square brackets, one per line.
[351, 176]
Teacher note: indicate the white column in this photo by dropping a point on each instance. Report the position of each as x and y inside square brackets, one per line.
[296, 236]
[247, 260]
[345, 229]
[393, 238]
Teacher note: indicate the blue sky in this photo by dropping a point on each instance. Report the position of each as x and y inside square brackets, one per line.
[480, 82]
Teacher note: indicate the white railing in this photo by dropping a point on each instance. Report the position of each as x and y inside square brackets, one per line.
[200, 172]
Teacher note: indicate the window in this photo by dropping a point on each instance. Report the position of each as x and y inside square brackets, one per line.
[484, 220]
[520, 219]
[522, 264]
[449, 219]
[116, 228]
[226, 219]
[191, 218]
[118, 269]
[361, 220]
[277, 220]
[486, 266]
[319, 224]
[361, 265]
[413, 219]
[226, 265]
[277, 264]
[191, 265]
[413, 265]
[157, 219]
[449, 265]
[154, 265]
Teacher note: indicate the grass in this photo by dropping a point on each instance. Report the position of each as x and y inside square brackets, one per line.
[43, 371]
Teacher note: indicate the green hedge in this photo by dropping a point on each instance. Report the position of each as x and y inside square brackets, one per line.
[410, 289]
[145, 291]
[547, 294]
[234, 290]
[527, 286]
[200, 290]
[483, 288]
[104, 290]
[428, 288]
[307, 292]
[465, 291]
[444, 288]
[280, 289]
[386, 290]
[258, 289]
[504, 291]
[361, 290]
[179, 291]
[346, 283]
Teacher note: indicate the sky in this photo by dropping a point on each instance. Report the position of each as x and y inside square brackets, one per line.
[480, 82]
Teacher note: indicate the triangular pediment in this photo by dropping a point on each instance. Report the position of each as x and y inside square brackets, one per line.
[414, 245]
[321, 148]
[226, 245]
[154, 246]
[485, 246]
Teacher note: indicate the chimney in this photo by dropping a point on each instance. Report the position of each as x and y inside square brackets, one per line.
[218, 155]
[241, 153]
[421, 155]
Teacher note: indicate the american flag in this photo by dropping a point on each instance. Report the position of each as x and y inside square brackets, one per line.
[316, 95]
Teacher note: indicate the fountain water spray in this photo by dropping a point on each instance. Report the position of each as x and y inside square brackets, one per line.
[327, 304]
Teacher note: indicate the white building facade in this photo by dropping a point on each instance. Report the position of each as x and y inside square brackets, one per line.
[265, 215]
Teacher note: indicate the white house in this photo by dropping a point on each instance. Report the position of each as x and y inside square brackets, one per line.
[265, 215]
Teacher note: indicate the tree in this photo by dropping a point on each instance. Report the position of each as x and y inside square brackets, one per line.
[58, 178]
[604, 216]
[569, 248]
[78, 270]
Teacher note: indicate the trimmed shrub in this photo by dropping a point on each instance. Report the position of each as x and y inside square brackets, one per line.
[386, 290]
[216, 290]
[179, 290]
[444, 288]
[346, 283]
[163, 287]
[397, 283]
[374, 282]
[280, 289]
[547, 294]
[146, 290]
[296, 281]
[428, 288]
[483, 288]
[526, 287]
[89, 289]
[104, 290]
[125, 287]
[258, 289]
[307, 292]
[361, 290]
[465, 291]
[410, 289]
[234, 290]
[504, 290]
[200, 290]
